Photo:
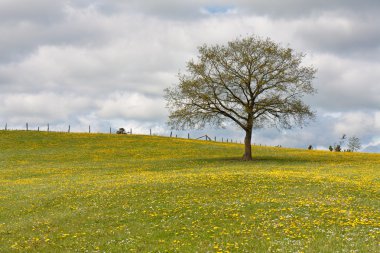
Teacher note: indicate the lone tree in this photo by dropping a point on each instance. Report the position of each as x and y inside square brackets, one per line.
[251, 81]
[354, 144]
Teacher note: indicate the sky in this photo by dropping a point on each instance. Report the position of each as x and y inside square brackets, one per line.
[105, 63]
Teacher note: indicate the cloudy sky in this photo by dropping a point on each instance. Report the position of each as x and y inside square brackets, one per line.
[106, 62]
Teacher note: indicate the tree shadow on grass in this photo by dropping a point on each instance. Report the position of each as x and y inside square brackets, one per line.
[265, 159]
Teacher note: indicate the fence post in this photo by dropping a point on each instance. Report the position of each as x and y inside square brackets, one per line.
[150, 131]
[6, 126]
[38, 128]
[176, 136]
[68, 129]
[131, 131]
[89, 129]
[48, 129]
[27, 127]
[222, 139]
[215, 138]
[110, 130]
[188, 135]
[171, 133]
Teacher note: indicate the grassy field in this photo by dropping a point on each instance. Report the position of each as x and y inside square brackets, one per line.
[109, 193]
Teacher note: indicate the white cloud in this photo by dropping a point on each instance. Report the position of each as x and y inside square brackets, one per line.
[357, 123]
[42, 107]
[133, 106]
[346, 84]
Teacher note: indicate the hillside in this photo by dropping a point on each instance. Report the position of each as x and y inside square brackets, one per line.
[133, 193]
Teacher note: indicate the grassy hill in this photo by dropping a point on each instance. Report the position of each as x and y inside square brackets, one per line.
[112, 193]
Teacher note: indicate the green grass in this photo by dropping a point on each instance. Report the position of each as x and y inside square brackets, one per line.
[110, 193]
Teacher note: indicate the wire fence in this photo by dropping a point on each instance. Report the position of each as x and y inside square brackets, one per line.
[112, 130]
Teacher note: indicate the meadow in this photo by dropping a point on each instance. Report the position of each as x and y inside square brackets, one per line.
[74, 192]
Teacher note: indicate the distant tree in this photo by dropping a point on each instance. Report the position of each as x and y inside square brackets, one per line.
[338, 147]
[252, 82]
[310, 147]
[331, 148]
[354, 144]
[121, 131]
[343, 139]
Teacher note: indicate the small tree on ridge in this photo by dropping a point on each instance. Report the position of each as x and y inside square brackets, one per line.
[354, 144]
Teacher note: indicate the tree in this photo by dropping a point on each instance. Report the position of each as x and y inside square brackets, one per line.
[354, 144]
[338, 147]
[251, 81]
[121, 131]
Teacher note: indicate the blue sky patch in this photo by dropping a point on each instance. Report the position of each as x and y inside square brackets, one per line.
[217, 9]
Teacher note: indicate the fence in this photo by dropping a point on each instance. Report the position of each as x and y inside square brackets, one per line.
[203, 137]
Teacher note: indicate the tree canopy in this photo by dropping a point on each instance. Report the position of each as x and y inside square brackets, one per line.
[354, 144]
[251, 81]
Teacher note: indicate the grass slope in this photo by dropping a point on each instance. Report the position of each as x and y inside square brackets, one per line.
[108, 193]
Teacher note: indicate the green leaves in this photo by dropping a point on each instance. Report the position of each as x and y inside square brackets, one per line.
[250, 81]
[247, 78]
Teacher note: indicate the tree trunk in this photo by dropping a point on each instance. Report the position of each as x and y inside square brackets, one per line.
[247, 142]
